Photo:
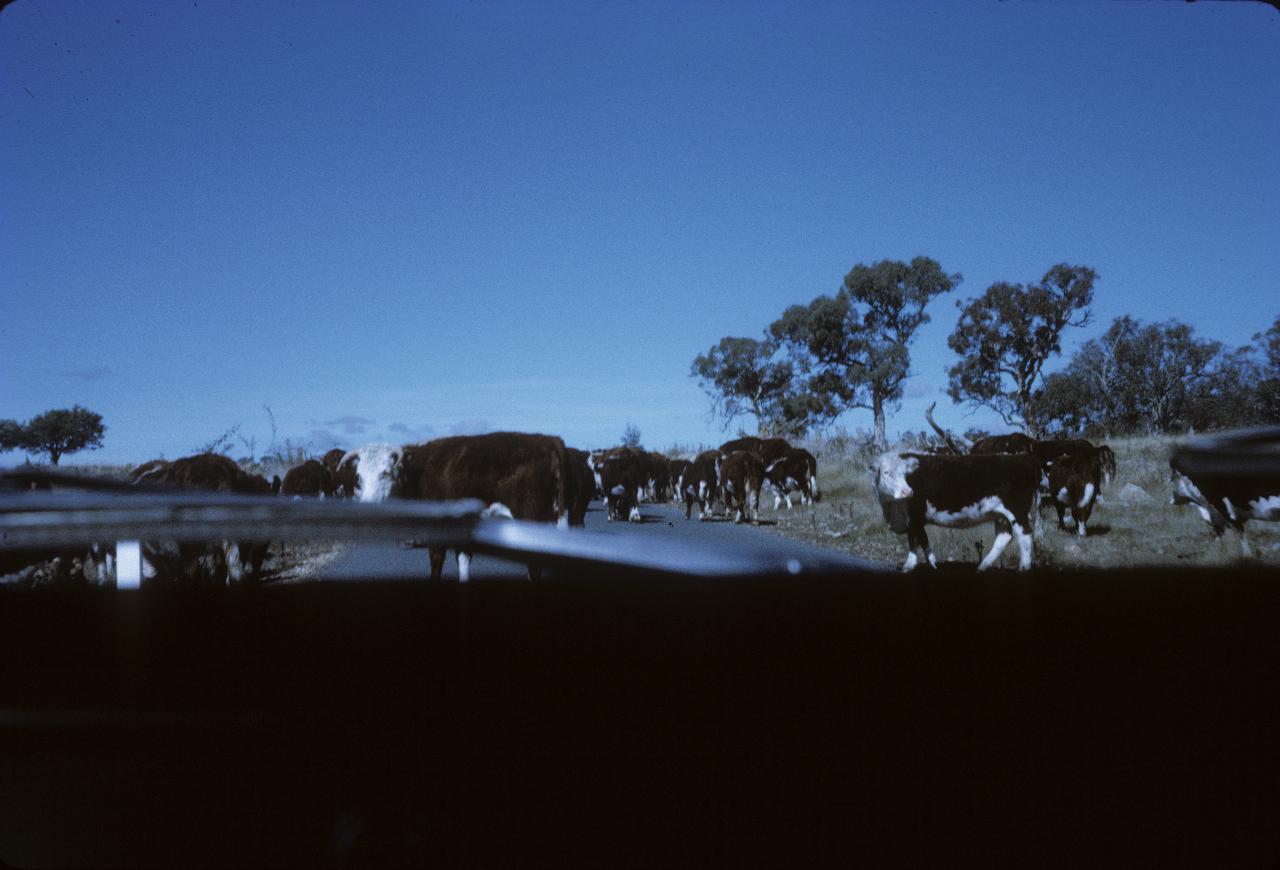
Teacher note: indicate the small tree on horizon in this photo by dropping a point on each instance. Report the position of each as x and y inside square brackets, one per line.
[631, 436]
[60, 431]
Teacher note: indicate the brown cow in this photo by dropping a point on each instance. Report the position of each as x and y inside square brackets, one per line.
[230, 561]
[700, 482]
[342, 475]
[767, 449]
[519, 476]
[741, 475]
[311, 478]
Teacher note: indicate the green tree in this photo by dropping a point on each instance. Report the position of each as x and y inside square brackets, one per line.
[743, 378]
[1268, 393]
[1005, 336]
[64, 430]
[12, 435]
[1149, 378]
[853, 347]
[1269, 344]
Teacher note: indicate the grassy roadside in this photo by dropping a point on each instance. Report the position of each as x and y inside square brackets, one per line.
[1133, 523]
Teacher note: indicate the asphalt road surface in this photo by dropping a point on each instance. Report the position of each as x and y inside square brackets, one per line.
[661, 523]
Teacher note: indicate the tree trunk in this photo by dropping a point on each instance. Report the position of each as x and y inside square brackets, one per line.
[882, 443]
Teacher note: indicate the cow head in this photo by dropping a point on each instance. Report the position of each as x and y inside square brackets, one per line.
[377, 470]
[889, 481]
[889, 476]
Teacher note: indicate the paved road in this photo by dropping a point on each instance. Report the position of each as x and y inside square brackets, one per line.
[661, 523]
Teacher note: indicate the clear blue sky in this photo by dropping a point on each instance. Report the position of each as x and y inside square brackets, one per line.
[396, 220]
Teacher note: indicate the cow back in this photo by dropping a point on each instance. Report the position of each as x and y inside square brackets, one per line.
[527, 473]
[1014, 442]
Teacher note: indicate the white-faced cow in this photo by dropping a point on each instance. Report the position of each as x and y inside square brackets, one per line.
[311, 479]
[792, 472]
[1226, 499]
[700, 482]
[741, 475]
[519, 476]
[371, 471]
[959, 491]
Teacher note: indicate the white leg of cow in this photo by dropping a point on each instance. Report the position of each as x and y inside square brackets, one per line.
[634, 515]
[464, 567]
[1024, 547]
[777, 501]
[788, 501]
[1080, 528]
[910, 564]
[1002, 541]
[235, 572]
[1245, 551]
[933, 560]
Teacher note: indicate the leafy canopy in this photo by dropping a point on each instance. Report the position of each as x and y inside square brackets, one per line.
[63, 430]
[1005, 336]
[854, 346]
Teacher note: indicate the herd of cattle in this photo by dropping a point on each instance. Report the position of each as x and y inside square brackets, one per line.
[517, 475]
[999, 479]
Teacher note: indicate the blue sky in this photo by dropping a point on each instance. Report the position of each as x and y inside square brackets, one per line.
[403, 220]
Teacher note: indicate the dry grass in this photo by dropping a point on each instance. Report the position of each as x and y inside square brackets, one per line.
[1122, 532]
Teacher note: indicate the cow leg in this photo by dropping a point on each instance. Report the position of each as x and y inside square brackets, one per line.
[1058, 506]
[1003, 537]
[464, 567]
[915, 538]
[688, 506]
[928, 548]
[1025, 545]
[436, 556]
